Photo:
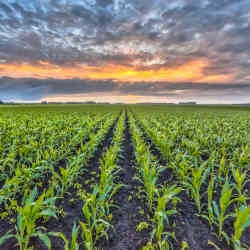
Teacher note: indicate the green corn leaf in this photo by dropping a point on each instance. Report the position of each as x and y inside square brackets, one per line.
[44, 238]
[242, 222]
[170, 212]
[6, 237]
[226, 237]
[19, 220]
[49, 212]
[50, 200]
[74, 245]
[214, 245]
[32, 196]
[62, 236]
[216, 210]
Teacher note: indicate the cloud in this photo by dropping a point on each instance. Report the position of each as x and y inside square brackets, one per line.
[29, 89]
[135, 36]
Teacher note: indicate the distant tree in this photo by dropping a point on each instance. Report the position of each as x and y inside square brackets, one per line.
[1, 102]
[187, 103]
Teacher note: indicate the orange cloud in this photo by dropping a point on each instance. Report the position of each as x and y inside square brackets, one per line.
[192, 71]
[104, 97]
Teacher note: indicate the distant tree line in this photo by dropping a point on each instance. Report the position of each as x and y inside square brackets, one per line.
[187, 103]
[87, 102]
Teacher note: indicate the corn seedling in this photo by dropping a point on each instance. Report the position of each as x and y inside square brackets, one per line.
[220, 212]
[28, 214]
[161, 213]
[242, 221]
[69, 246]
[193, 183]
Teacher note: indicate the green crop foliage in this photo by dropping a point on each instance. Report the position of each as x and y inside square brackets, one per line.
[179, 157]
[205, 150]
[28, 214]
[242, 221]
[97, 207]
[241, 181]
[210, 191]
[149, 169]
[95, 226]
[74, 235]
[161, 213]
[193, 183]
[220, 212]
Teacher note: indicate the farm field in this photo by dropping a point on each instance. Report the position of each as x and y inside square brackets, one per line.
[124, 177]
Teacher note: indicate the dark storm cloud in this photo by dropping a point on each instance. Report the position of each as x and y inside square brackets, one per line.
[36, 89]
[23, 87]
[157, 33]
[97, 27]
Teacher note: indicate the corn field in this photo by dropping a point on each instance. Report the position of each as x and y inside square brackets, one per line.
[124, 177]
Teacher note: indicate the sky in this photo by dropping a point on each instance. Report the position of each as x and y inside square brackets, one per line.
[125, 50]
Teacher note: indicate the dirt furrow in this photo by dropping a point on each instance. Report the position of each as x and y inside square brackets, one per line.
[124, 235]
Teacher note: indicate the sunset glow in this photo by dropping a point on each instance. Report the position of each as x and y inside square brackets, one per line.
[191, 71]
[149, 50]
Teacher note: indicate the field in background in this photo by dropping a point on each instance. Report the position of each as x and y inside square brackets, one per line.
[124, 177]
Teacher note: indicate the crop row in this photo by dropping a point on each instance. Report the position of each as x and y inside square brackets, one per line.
[68, 169]
[210, 165]
[26, 201]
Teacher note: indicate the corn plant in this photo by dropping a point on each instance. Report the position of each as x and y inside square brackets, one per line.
[107, 187]
[222, 167]
[28, 214]
[69, 246]
[193, 183]
[241, 223]
[241, 181]
[210, 190]
[220, 212]
[68, 175]
[181, 165]
[94, 214]
[149, 172]
[162, 245]
[161, 213]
